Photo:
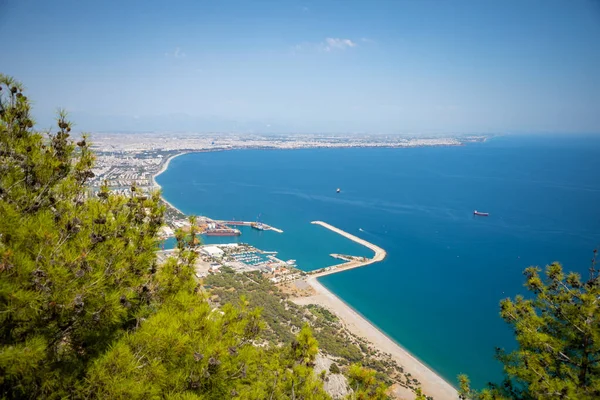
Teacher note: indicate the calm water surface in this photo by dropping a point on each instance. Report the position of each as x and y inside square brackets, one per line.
[437, 293]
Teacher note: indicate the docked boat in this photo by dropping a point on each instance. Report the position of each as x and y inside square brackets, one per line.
[481, 214]
[291, 262]
[258, 225]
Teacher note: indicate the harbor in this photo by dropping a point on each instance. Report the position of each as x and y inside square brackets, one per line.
[211, 227]
[243, 258]
[240, 257]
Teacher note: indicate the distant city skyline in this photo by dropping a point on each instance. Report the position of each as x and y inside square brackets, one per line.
[410, 67]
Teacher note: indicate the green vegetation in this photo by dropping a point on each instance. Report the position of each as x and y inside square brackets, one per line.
[281, 316]
[322, 312]
[85, 311]
[558, 335]
[75, 272]
[365, 384]
[334, 369]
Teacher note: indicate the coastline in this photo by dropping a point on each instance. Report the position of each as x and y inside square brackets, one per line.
[431, 383]
[163, 169]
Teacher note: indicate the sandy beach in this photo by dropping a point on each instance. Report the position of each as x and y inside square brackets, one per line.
[163, 169]
[431, 383]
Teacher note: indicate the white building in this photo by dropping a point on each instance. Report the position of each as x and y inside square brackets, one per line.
[270, 267]
[212, 251]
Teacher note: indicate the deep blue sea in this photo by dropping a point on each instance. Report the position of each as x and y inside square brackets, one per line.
[438, 290]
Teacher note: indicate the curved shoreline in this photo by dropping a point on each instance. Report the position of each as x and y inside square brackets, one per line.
[431, 383]
[163, 169]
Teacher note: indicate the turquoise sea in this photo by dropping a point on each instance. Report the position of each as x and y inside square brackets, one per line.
[438, 290]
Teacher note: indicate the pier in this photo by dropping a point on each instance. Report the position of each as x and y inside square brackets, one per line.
[380, 253]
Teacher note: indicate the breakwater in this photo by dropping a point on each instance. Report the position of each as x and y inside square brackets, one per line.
[380, 253]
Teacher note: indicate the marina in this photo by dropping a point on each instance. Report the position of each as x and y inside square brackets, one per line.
[253, 258]
[241, 257]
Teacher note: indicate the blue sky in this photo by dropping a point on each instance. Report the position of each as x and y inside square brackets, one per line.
[430, 67]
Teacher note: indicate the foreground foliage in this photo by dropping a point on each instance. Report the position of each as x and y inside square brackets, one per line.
[365, 384]
[85, 312]
[75, 271]
[558, 336]
[282, 317]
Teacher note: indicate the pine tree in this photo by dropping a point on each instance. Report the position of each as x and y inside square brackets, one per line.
[365, 384]
[86, 312]
[75, 270]
[558, 334]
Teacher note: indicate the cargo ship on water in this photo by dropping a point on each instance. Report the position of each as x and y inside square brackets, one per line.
[213, 229]
[222, 232]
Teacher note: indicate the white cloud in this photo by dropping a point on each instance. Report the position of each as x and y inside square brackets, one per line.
[328, 45]
[337, 44]
[177, 53]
